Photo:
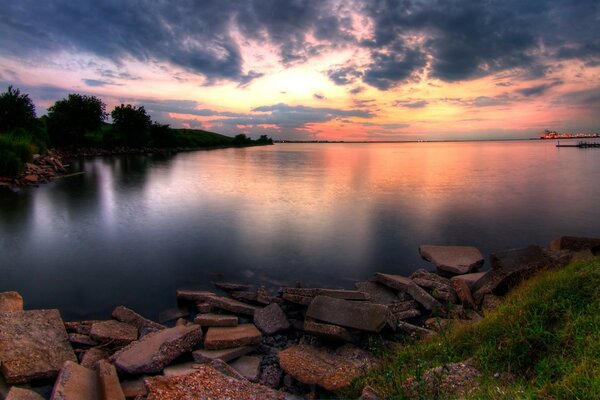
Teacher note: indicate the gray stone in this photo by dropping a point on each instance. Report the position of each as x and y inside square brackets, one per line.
[218, 338]
[271, 319]
[75, 382]
[172, 315]
[470, 279]
[92, 356]
[207, 320]
[206, 356]
[509, 268]
[328, 331]
[377, 292]
[405, 284]
[452, 259]
[114, 332]
[248, 367]
[154, 351]
[130, 317]
[351, 314]
[108, 381]
[195, 296]
[11, 301]
[17, 393]
[232, 305]
[331, 370]
[33, 345]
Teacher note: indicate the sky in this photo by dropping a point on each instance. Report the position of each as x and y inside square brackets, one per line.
[317, 69]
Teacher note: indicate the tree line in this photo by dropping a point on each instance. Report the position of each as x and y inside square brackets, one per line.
[80, 121]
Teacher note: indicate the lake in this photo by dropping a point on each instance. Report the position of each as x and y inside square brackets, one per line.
[133, 229]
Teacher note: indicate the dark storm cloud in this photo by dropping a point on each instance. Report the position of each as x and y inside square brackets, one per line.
[343, 75]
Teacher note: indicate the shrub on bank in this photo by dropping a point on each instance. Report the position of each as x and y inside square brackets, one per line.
[15, 149]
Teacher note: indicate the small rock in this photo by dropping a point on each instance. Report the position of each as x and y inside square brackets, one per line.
[452, 259]
[17, 393]
[195, 296]
[264, 297]
[10, 302]
[243, 295]
[271, 376]
[84, 340]
[108, 381]
[204, 308]
[218, 338]
[114, 332]
[92, 356]
[207, 320]
[180, 369]
[248, 367]
[271, 319]
[130, 317]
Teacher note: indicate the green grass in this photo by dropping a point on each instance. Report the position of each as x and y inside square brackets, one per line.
[199, 138]
[15, 149]
[546, 335]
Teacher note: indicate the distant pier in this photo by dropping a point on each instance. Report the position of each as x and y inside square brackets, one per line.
[581, 145]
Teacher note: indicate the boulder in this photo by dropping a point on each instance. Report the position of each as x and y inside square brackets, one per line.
[130, 317]
[248, 367]
[92, 356]
[377, 292]
[207, 320]
[207, 383]
[470, 279]
[10, 301]
[576, 244]
[331, 370]
[33, 345]
[404, 284]
[509, 268]
[351, 314]
[461, 287]
[204, 356]
[218, 338]
[232, 305]
[271, 319]
[75, 382]
[113, 332]
[454, 260]
[17, 393]
[108, 381]
[154, 351]
[328, 331]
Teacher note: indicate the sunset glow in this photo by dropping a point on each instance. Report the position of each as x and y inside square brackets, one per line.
[326, 70]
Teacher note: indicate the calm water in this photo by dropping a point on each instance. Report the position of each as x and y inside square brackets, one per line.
[132, 230]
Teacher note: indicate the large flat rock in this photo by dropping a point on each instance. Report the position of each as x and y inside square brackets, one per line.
[329, 331]
[206, 356]
[218, 338]
[108, 382]
[455, 260]
[33, 345]
[232, 305]
[406, 285]
[10, 302]
[114, 332]
[351, 314]
[248, 367]
[17, 393]
[75, 382]
[154, 351]
[331, 370]
[207, 320]
[207, 383]
[377, 292]
[470, 279]
[128, 316]
[271, 319]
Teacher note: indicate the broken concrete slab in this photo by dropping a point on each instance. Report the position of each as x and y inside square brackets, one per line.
[404, 284]
[81, 340]
[194, 296]
[244, 295]
[207, 383]
[271, 319]
[108, 381]
[446, 296]
[128, 316]
[92, 356]
[10, 302]
[154, 351]
[351, 314]
[207, 320]
[203, 356]
[218, 338]
[264, 297]
[294, 298]
[232, 286]
[172, 314]
[17, 393]
[232, 305]
[413, 330]
[331, 370]
[336, 293]
[575, 244]
[75, 382]
[248, 367]
[463, 291]
[377, 292]
[431, 276]
[328, 331]
[180, 369]
[454, 260]
[509, 268]
[470, 279]
[33, 345]
[204, 308]
[134, 389]
[113, 332]
[81, 327]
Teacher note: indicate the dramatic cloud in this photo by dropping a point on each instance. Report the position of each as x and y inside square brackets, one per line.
[411, 104]
[538, 89]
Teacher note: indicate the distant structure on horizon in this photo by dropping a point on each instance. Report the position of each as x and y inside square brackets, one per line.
[555, 135]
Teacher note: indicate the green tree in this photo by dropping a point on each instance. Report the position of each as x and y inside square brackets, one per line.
[241, 139]
[69, 119]
[132, 123]
[16, 111]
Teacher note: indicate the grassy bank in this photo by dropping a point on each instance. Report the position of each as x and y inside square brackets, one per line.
[543, 342]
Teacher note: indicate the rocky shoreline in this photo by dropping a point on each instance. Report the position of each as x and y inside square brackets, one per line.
[241, 341]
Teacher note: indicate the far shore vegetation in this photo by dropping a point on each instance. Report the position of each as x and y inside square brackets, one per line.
[79, 121]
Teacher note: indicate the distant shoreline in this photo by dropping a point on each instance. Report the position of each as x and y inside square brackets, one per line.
[413, 141]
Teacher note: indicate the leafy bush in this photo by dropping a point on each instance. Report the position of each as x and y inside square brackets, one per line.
[15, 149]
[69, 119]
[16, 111]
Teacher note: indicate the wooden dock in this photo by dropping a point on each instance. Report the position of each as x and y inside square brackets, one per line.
[581, 145]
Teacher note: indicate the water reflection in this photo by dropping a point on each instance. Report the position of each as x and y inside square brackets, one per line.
[133, 229]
